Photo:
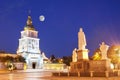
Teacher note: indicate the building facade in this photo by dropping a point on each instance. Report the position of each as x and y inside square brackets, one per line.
[29, 46]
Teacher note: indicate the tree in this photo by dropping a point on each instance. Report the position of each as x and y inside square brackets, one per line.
[53, 59]
[19, 58]
[67, 60]
[97, 55]
[2, 59]
[9, 58]
[114, 54]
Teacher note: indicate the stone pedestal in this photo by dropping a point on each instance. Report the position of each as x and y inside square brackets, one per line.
[82, 54]
[99, 65]
[90, 65]
[81, 66]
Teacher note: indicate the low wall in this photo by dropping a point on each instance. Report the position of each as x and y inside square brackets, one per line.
[2, 65]
[87, 74]
[54, 66]
[18, 65]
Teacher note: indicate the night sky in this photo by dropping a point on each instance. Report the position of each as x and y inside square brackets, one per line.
[100, 20]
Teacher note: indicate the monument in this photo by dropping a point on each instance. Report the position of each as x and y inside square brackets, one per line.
[82, 52]
[80, 60]
[74, 55]
[81, 40]
[103, 49]
[29, 46]
[104, 63]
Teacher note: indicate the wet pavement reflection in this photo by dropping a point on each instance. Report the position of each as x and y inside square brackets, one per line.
[25, 75]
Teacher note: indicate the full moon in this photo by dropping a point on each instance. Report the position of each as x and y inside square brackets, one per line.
[41, 18]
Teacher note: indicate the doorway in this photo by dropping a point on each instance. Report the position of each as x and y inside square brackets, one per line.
[34, 65]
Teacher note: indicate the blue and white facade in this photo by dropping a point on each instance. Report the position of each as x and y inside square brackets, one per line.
[29, 46]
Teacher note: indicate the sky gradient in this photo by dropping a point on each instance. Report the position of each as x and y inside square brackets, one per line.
[100, 20]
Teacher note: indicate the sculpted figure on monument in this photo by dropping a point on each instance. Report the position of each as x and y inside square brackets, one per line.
[81, 40]
[74, 55]
[103, 49]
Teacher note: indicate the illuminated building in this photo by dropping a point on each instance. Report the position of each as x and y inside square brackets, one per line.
[29, 46]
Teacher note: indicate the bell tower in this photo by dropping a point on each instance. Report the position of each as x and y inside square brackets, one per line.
[29, 45]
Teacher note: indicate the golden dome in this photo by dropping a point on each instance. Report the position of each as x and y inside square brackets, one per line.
[29, 25]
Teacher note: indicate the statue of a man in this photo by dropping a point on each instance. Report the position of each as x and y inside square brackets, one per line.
[103, 49]
[74, 55]
[81, 40]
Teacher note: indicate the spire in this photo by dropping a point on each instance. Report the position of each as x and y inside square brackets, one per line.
[29, 21]
[29, 25]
